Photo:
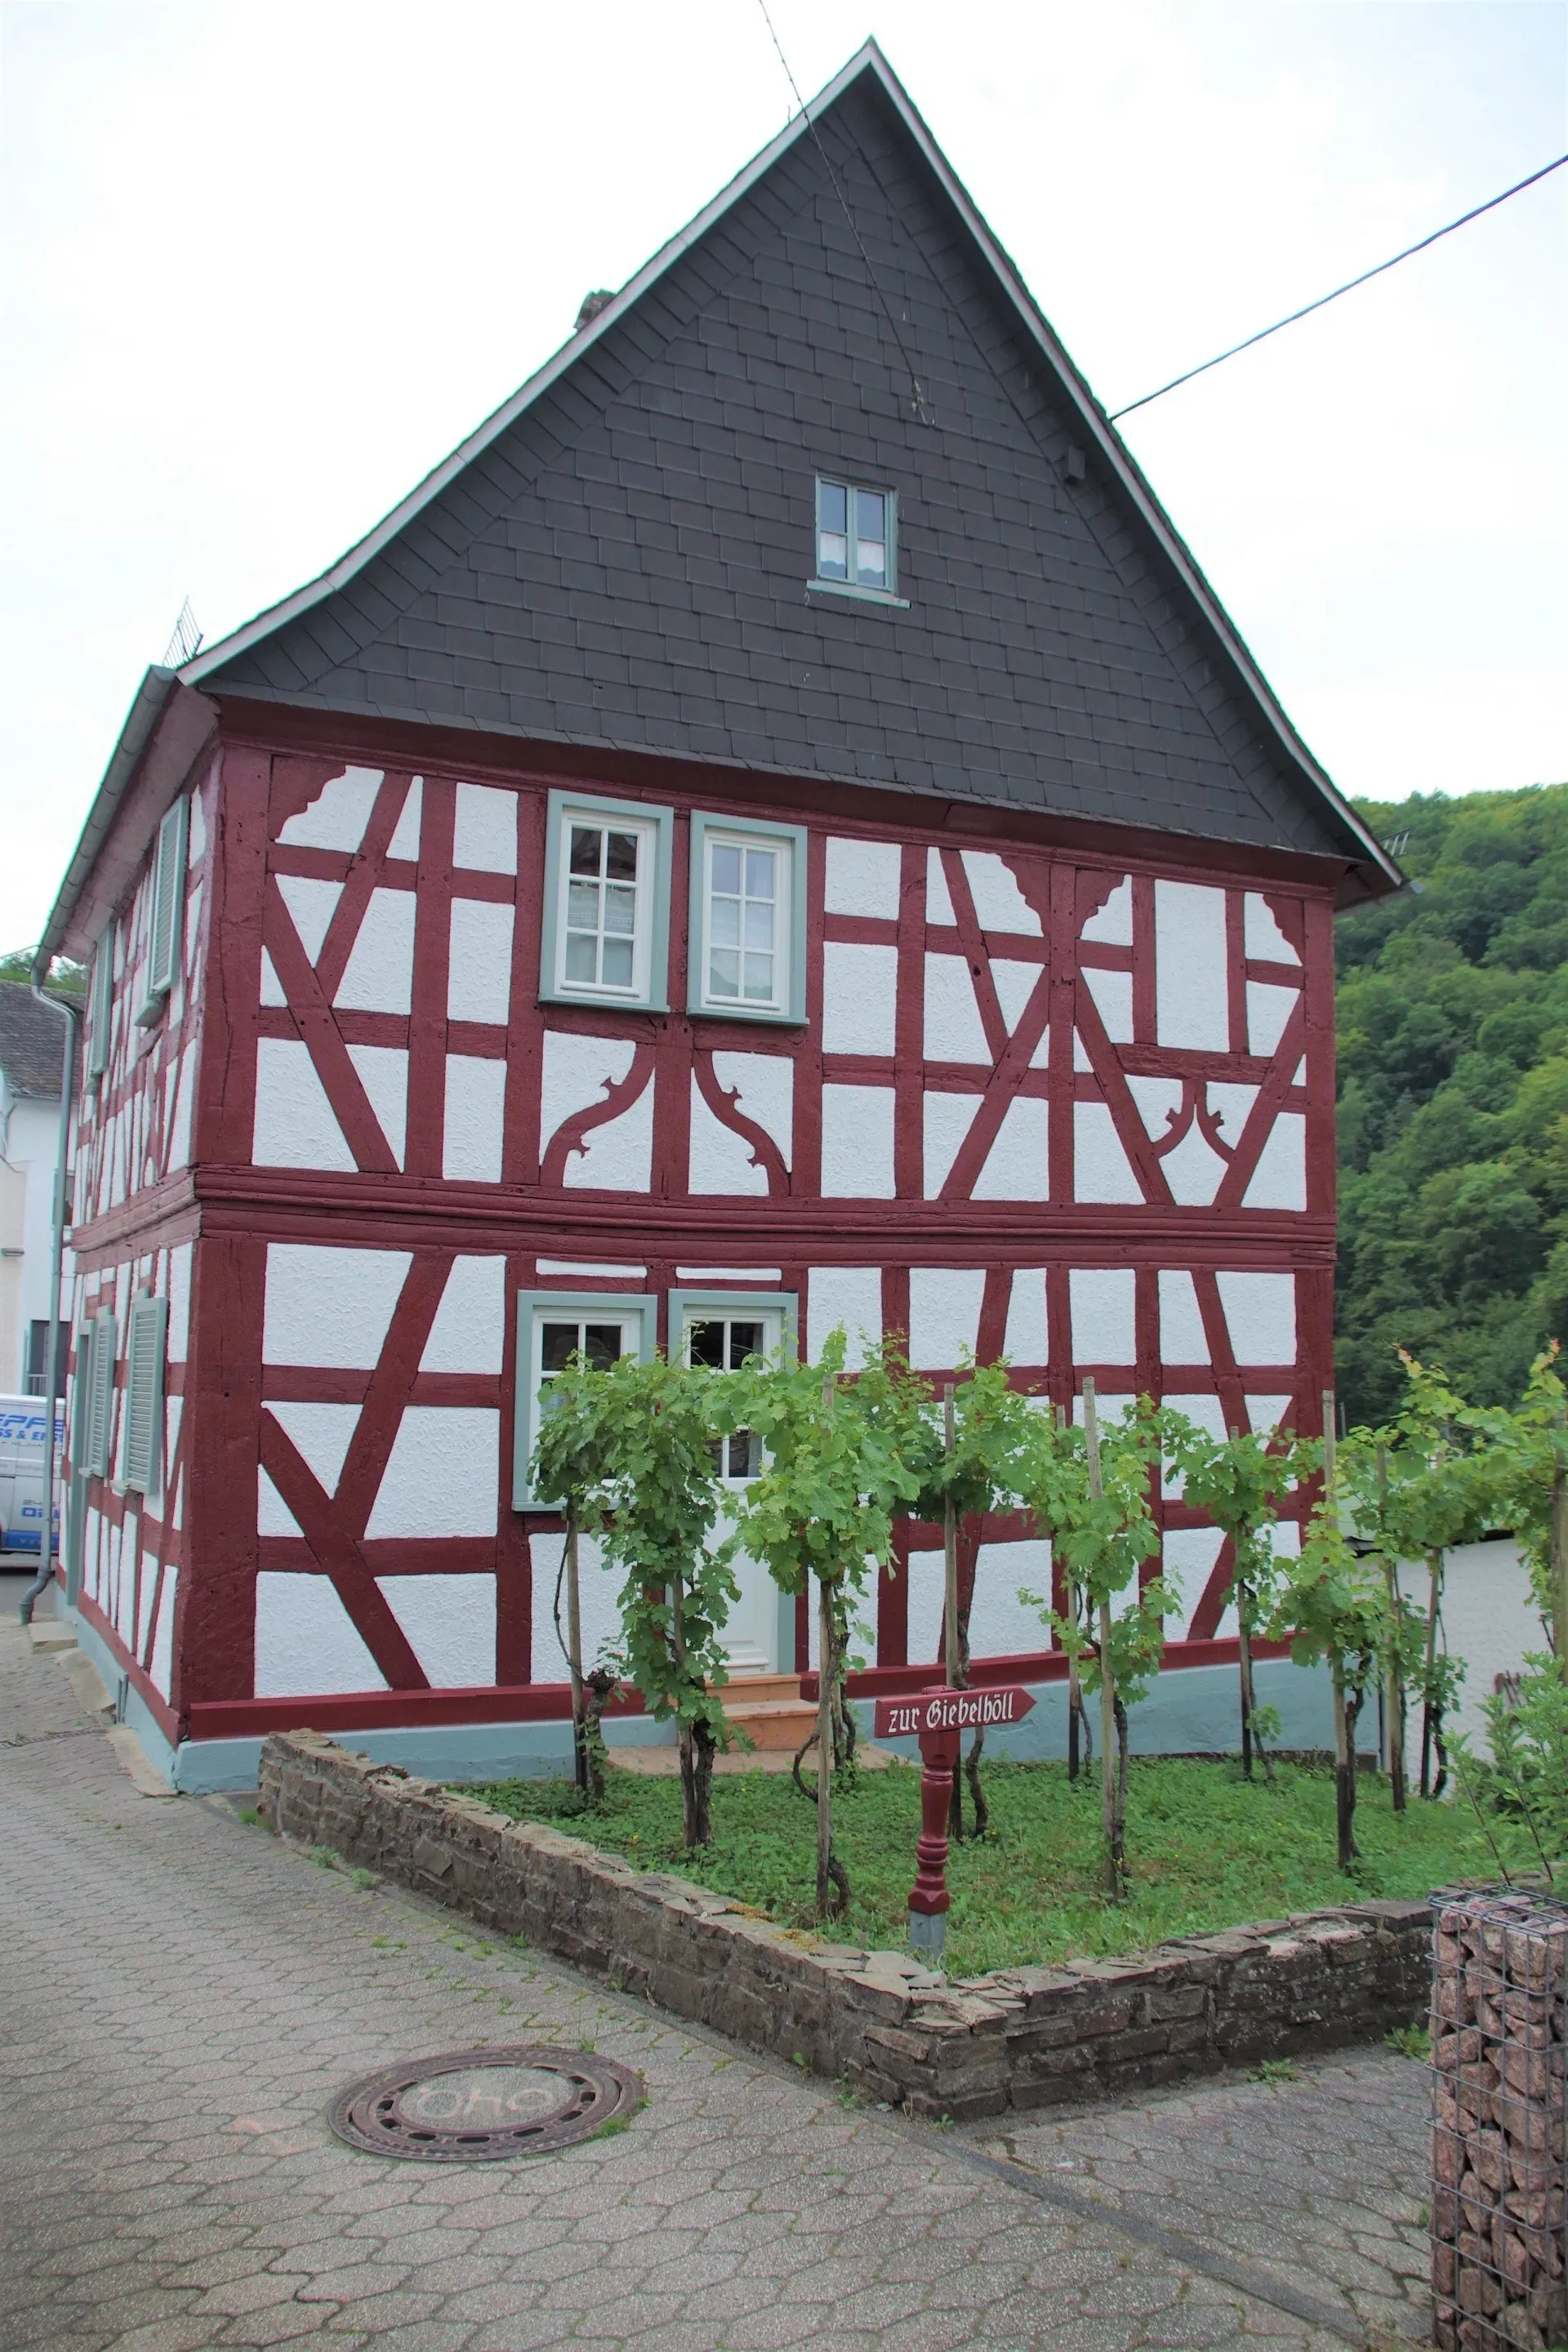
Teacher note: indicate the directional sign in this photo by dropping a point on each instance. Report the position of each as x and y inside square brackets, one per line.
[936, 1718]
[949, 1710]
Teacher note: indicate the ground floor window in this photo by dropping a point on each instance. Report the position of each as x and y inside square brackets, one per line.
[551, 1327]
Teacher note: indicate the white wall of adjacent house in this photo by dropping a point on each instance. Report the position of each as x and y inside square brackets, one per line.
[1489, 1619]
[29, 1138]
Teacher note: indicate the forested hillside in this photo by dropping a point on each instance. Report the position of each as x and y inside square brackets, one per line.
[1453, 1088]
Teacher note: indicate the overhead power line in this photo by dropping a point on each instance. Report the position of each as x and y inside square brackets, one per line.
[1349, 287]
[916, 395]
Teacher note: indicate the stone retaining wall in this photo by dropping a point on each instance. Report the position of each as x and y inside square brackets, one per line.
[1499, 2124]
[1019, 2038]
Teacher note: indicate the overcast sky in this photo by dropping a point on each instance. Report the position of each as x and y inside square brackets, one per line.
[265, 264]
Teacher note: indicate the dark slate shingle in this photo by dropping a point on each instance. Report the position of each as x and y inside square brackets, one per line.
[627, 563]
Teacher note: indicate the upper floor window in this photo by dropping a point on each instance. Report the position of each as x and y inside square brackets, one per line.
[748, 920]
[856, 537]
[606, 902]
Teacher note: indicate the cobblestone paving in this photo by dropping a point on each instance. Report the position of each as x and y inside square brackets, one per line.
[1318, 2183]
[183, 1995]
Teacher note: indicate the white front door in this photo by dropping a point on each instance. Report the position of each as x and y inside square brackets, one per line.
[723, 1338]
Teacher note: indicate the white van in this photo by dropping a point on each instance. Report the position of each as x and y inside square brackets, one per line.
[22, 1471]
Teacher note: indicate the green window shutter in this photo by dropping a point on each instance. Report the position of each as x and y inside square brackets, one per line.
[144, 1393]
[91, 1412]
[168, 912]
[77, 1439]
[102, 1006]
[73, 1548]
[100, 1394]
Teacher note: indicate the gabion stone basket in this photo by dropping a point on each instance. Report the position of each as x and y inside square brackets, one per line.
[1500, 2118]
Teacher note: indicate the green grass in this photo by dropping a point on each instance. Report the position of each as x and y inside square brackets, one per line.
[1207, 1850]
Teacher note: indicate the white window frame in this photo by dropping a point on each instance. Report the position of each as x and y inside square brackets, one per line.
[865, 592]
[165, 914]
[788, 1005]
[649, 990]
[637, 1313]
[141, 1463]
[779, 1308]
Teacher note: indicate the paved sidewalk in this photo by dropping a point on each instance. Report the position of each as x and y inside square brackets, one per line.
[1318, 2183]
[183, 1995]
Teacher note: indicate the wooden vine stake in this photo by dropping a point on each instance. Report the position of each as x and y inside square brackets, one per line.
[1393, 1702]
[949, 1552]
[1111, 1816]
[1077, 1720]
[826, 1666]
[1428, 1711]
[1344, 1754]
[1558, 1553]
[951, 1661]
[1243, 1653]
[574, 1657]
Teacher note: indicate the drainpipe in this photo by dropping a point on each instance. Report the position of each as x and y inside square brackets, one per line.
[57, 1261]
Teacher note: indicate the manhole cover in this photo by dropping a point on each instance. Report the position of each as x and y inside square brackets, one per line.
[472, 2107]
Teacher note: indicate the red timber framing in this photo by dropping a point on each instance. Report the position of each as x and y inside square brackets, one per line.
[1064, 1010]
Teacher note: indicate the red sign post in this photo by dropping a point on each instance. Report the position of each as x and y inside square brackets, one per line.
[936, 1718]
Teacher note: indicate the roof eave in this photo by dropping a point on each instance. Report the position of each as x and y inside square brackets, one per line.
[165, 727]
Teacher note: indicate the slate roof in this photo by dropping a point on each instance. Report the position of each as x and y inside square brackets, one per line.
[31, 1042]
[619, 557]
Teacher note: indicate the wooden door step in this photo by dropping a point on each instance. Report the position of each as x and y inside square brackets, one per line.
[778, 1724]
[762, 1690]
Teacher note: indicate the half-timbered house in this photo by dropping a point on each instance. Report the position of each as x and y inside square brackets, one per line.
[774, 833]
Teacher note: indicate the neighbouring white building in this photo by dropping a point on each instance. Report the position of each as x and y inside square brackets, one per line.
[1489, 1617]
[32, 1046]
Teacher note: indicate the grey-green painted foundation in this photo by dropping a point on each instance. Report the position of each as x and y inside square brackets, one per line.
[1191, 1710]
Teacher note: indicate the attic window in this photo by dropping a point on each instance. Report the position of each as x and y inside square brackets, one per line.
[857, 542]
